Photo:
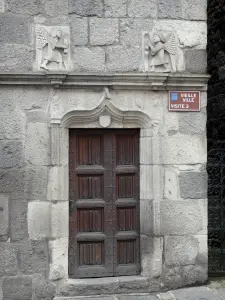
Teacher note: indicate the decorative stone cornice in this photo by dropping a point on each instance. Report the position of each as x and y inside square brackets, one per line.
[146, 81]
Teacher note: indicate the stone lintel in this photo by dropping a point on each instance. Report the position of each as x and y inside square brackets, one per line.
[141, 81]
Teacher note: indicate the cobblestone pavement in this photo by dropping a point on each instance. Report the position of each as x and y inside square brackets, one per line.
[213, 291]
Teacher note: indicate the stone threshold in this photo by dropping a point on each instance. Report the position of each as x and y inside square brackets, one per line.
[107, 286]
[140, 296]
[145, 81]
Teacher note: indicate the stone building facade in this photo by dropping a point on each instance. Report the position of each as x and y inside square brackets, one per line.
[100, 64]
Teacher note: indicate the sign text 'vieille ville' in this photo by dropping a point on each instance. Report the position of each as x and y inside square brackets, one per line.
[184, 101]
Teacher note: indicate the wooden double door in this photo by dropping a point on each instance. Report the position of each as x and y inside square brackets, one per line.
[104, 203]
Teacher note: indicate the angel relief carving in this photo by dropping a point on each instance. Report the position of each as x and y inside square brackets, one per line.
[159, 52]
[52, 45]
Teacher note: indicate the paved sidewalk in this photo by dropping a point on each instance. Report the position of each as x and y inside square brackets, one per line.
[213, 291]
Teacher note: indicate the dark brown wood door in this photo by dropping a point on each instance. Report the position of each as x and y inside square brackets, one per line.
[104, 203]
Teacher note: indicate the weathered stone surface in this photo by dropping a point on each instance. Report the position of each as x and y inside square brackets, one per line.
[2, 6]
[56, 8]
[32, 98]
[59, 259]
[45, 291]
[15, 57]
[196, 293]
[193, 185]
[37, 211]
[36, 183]
[169, 9]
[36, 116]
[146, 212]
[104, 31]
[32, 7]
[180, 250]
[18, 288]
[137, 297]
[192, 123]
[89, 59]
[86, 7]
[12, 182]
[171, 188]
[202, 257]
[142, 8]
[79, 30]
[37, 144]
[181, 150]
[11, 154]
[115, 8]
[33, 257]
[18, 220]
[194, 9]
[183, 217]
[14, 29]
[131, 30]
[135, 285]
[122, 59]
[59, 219]
[173, 278]
[190, 34]
[8, 262]
[196, 61]
[145, 150]
[4, 215]
[146, 192]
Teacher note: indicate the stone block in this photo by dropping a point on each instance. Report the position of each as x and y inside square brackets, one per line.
[131, 30]
[18, 220]
[192, 123]
[12, 182]
[58, 188]
[104, 31]
[36, 116]
[142, 8]
[146, 184]
[196, 293]
[11, 154]
[196, 61]
[182, 150]
[12, 122]
[89, 59]
[56, 8]
[180, 250]
[18, 288]
[137, 297]
[120, 58]
[46, 290]
[59, 259]
[36, 183]
[171, 188]
[79, 30]
[183, 217]
[4, 215]
[37, 211]
[15, 57]
[2, 6]
[190, 34]
[194, 9]
[15, 29]
[37, 144]
[33, 257]
[145, 150]
[193, 185]
[33, 98]
[86, 7]
[115, 8]
[8, 261]
[31, 7]
[146, 222]
[202, 258]
[60, 219]
[169, 9]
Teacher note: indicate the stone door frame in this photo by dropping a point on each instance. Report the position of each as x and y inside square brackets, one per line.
[150, 194]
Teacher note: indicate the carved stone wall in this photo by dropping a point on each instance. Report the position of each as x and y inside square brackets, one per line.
[103, 36]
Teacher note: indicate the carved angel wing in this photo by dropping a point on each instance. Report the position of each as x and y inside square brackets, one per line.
[41, 37]
[171, 45]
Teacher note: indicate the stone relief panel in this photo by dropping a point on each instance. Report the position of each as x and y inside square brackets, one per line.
[159, 51]
[52, 48]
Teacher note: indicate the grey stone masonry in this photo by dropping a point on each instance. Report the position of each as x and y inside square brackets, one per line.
[104, 31]
[17, 288]
[193, 185]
